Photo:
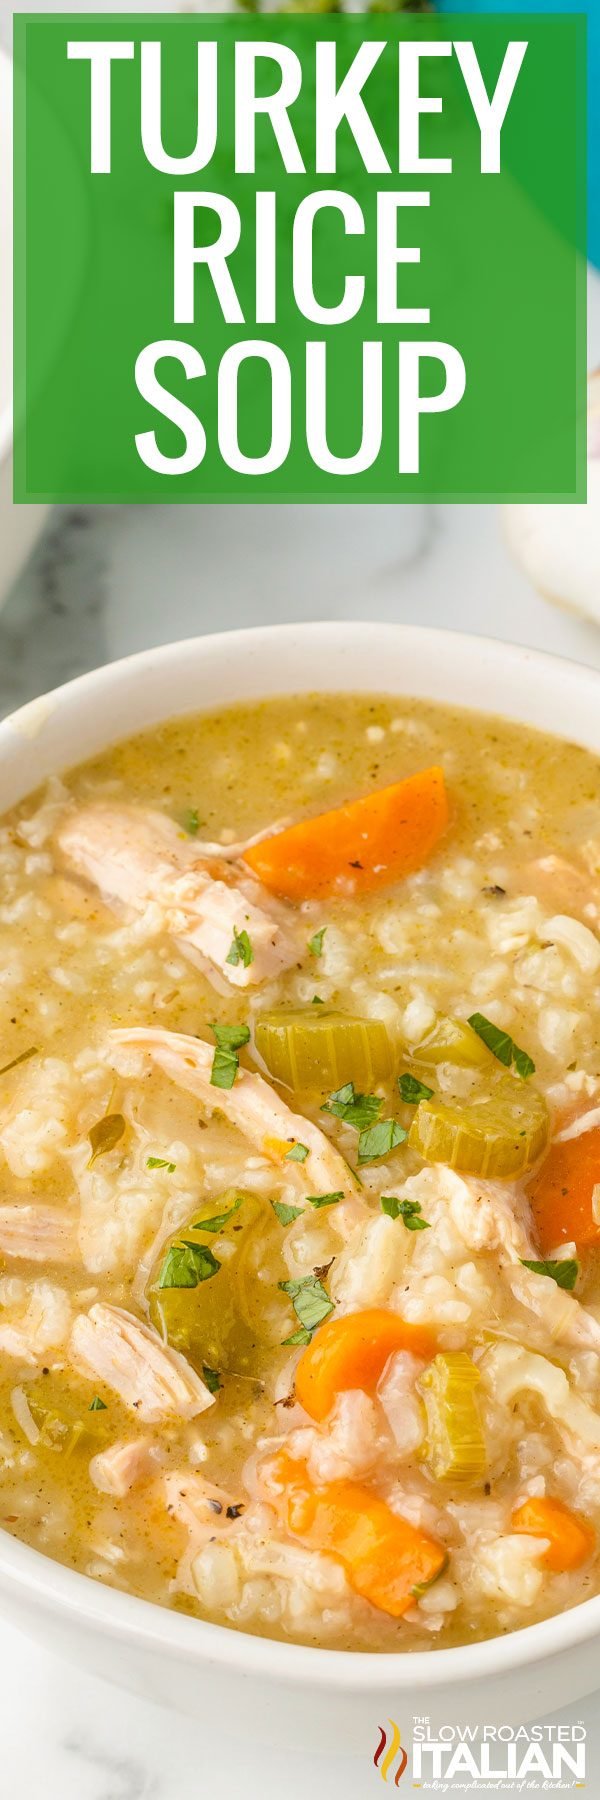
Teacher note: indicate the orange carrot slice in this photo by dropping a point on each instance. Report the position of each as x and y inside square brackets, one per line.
[572, 1540]
[364, 845]
[561, 1193]
[351, 1352]
[387, 1560]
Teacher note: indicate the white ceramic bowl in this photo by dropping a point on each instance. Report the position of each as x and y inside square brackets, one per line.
[19, 525]
[285, 1693]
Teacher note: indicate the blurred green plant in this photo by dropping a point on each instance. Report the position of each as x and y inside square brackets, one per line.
[333, 6]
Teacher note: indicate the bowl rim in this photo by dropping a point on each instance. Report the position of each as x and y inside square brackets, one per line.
[27, 1573]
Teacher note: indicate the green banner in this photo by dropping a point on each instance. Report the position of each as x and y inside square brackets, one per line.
[299, 257]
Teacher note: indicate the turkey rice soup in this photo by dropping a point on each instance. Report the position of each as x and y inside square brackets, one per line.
[300, 1202]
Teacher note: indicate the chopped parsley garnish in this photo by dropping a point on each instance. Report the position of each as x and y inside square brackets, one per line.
[286, 1214]
[229, 1039]
[380, 1140]
[160, 1162]
[105, 1135]
[502, 1046]
[315, 944]
[297, 1153]
[187, 1264]
[317, 1001]
[407, 1210]
[377, 1136]
[563, 1273]
[318, 1200]
[24, 1057]
[97, 1405]
[241, 949]
[191, 822]
[391, 1204]
[412, 1091]
[311, 1304]
[359, 1110]
[211, 1379]
[218, 1220]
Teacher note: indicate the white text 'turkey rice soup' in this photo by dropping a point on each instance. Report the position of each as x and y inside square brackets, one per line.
[300, 1153]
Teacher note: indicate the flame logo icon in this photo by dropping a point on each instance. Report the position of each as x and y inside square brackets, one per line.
[387, 1751]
